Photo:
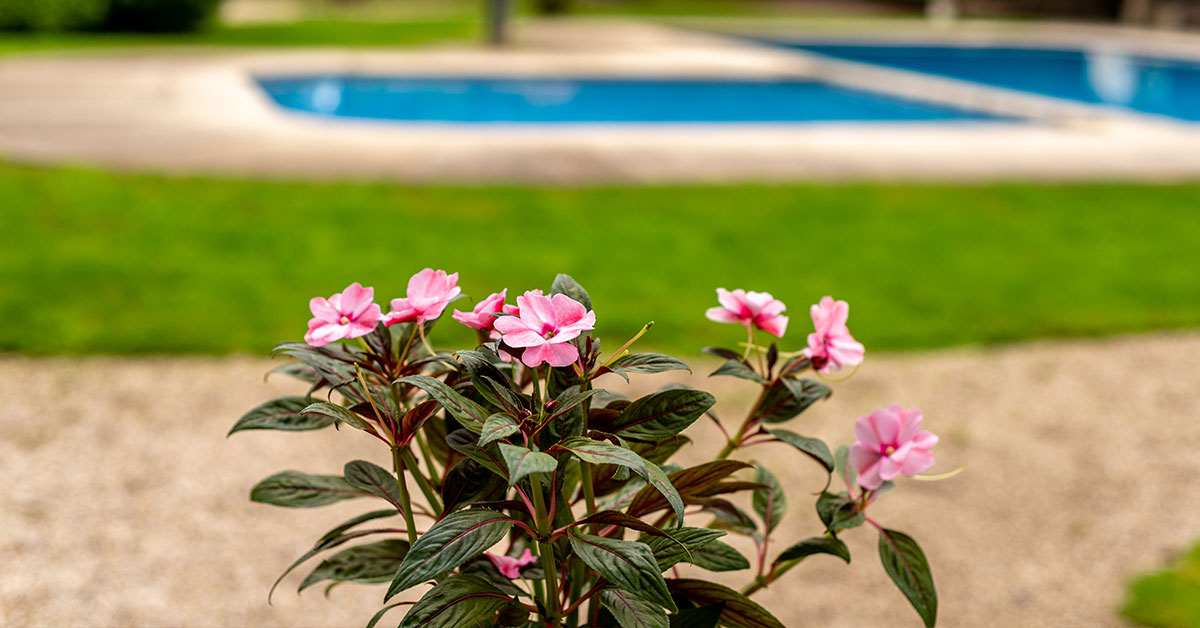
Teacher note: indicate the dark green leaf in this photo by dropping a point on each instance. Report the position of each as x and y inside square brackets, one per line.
[293, 489]
[565, 284]
[662, 414]
[680, 546]
[374, 479]
[447, 544]
[467, 482]
[737, 368]
[838, 512]
[721, 352]
[300, 371]
[596, 452]
[350, 523]
[285, 413]
[335, 364]
[383, 611]
[521, 462]
[730, 517]
[816, 545]
[337, 414]
[617, 518]
[719, 556]
[468, 413]
[372, 563]
[688, 482]
[702, 617]
[791, 397]
[905, 563]
[650, 363]
[632, 611]
[496, 427]
[457, 602]
[627, 564]
[740, 611]
[380, 340]
[463, 442]
[770, 503]
[491, 383]
[811, 447]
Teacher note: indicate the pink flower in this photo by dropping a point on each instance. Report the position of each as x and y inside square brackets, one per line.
[750, 308]
[481, 317]
[831, 346]
[510, 567]
[347, 315]
[890, 442]
[545, 328]
[429, 292]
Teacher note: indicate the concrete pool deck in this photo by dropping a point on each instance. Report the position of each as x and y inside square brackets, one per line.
[199, 111]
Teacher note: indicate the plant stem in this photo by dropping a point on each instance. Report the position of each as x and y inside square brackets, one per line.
[426, 489]
[733, 443]
[545, 549]
[405, 501]
[589, 492]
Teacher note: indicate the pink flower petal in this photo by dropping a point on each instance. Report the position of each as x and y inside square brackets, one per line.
[722, 315]
[562, 354]
[774, 325]
[324, 310]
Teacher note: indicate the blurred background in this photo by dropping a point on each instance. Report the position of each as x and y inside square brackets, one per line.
[1004, 190]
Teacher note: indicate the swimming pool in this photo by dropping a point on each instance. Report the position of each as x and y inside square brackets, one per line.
[597, 100]
[1101, 76]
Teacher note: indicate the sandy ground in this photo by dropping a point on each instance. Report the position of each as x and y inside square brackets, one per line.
[125, 504]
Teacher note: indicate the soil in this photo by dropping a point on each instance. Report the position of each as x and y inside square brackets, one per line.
[127, 506]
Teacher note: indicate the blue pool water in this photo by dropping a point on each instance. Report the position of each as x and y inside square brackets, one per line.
[578, 100]
[1151, 85]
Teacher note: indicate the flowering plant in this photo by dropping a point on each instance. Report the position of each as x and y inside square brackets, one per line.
[549, 501]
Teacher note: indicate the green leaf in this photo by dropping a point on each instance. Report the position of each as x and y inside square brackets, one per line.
[293, 489]
[680, 546]
[355, 521]
[737, 368]
[521, 462]
[496, 427]
[905, 564]
[686, 483]
[457, 602]
[372, 563]
[815, 545]
[617, 518]
[632, 611]
[719, 556]
[334, 364]
[375, 480]
[842, 466]
[650, 363]
[447, 544]
[702, 617]
[491, 383]
[464, 443]
[791, 397]
[565, 284]
[597, 452]
[469, 481]
[662, 414]
[331, 539]
[468, 413]
[838, 512]
[730, 517]
[338, 414]
[627, 564]
[814, 448]
[740, 611]
[770, 503]
[285, 414]
[383, 611]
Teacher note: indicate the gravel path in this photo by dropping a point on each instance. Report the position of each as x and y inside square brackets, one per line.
[126, 505]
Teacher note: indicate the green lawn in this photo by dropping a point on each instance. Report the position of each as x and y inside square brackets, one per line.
[99, 262]
[317, 32]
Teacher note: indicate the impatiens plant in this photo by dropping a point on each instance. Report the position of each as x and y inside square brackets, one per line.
[546, 500]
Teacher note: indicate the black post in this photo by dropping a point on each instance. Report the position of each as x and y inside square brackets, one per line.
[497, 20]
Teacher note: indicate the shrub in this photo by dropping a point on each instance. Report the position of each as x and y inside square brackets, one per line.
[159, 15]
[51, 15]
[517, 451]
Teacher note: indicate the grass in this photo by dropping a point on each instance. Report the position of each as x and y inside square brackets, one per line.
[99, 262]
[1168, 598]
[316, 32]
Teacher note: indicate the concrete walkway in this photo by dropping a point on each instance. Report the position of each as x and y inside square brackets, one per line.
[199, 111]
